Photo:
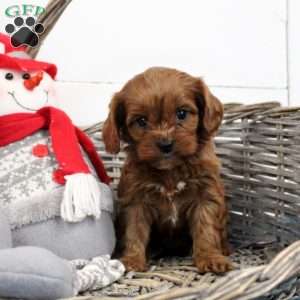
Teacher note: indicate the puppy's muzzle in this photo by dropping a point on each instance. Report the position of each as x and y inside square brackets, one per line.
[165, 146]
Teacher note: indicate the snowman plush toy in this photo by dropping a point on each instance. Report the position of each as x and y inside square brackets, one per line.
[56, 229]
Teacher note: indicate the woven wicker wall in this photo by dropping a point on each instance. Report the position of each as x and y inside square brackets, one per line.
[259, 146]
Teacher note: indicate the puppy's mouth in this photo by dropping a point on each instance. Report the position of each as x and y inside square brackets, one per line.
[166, 162]
[12, 94]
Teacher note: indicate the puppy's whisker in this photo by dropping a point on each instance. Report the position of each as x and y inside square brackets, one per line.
[181, 125]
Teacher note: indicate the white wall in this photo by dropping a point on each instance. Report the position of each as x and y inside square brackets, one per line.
[239, 47]
[293, 38]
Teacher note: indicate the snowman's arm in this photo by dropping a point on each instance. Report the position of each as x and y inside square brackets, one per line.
[35, 273]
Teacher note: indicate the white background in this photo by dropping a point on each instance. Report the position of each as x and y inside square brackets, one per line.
[247, 51]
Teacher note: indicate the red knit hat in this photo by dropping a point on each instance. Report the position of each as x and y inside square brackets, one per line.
[17, 59]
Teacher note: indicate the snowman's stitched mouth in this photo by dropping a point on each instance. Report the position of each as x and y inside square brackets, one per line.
[12, 94]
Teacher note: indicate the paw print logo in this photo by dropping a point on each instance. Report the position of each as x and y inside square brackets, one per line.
[24, 32]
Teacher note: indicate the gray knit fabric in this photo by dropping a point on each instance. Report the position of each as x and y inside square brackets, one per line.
[36, 274]
[85, 239]
[30, 216]
[97, 273]
[28, 194]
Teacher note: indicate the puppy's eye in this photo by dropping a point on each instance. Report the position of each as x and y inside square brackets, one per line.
[26, 76]
[142, 122]
[181, 114]
[9, 76]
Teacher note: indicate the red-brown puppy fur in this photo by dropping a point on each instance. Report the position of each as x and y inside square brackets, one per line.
[170, 182]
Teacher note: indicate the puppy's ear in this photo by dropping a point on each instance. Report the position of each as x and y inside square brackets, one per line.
[210, 110]
[114, 124]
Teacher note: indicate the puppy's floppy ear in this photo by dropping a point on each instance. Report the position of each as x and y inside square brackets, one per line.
[113, 125]
[210, 110]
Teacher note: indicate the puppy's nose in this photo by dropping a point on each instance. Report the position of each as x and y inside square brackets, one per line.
[165, 146]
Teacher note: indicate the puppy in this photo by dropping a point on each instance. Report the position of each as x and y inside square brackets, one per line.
[170, 188]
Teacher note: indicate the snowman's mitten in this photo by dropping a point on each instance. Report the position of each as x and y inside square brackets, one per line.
[98, 273]
[5, 233]
[34, 273]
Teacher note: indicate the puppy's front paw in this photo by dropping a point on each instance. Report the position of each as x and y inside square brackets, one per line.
[134, 263]
[213, 263]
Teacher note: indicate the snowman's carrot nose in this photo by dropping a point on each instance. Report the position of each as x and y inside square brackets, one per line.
[33, 81]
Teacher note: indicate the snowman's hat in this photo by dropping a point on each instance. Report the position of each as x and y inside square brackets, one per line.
[18, 59]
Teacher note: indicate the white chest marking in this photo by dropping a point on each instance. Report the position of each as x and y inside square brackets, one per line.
[174, 214]
[170, 194]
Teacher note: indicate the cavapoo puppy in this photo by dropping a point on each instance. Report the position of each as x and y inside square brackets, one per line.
[170, 189]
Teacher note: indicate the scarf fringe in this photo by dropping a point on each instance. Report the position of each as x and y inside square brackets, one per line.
[82, 198]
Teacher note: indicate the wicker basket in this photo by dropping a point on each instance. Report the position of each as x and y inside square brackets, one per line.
[259, 146]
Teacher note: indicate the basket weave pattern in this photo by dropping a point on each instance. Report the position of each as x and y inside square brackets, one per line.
[259, 146]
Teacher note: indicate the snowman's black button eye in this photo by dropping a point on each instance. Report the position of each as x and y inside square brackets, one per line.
[9, 76]
[26, 76]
